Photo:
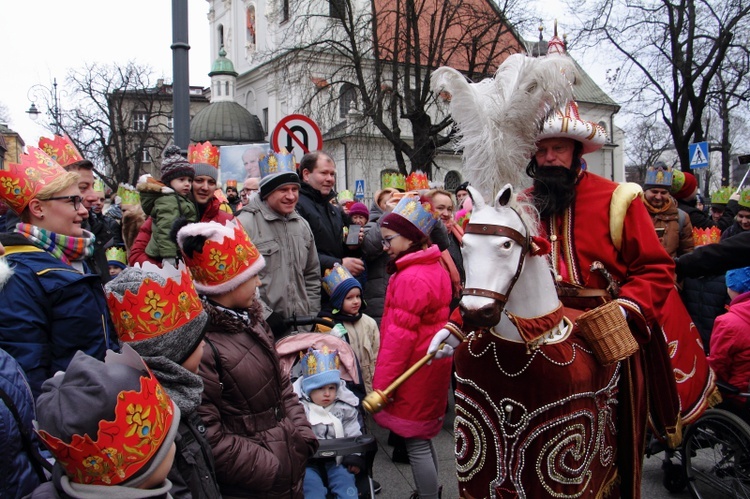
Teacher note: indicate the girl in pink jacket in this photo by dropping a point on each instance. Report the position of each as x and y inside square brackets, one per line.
[416, 306]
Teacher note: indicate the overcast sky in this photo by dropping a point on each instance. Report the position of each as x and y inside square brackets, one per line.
[43, 39]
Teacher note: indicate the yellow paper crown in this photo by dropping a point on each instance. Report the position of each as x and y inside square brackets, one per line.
[203, 153]
[116, 255]
[128, 194]
[61, 149]
[99, 186]
[21, 182]
[745, 198]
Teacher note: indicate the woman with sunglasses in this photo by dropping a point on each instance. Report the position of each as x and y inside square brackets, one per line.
[416, 300]
[51, 305]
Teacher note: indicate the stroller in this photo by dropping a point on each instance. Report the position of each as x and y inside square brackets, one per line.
[289, 349]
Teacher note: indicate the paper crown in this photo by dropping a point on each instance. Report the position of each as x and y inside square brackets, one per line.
[124, 445]
[745, 198]
[231, 183]
[722, 195]
[20, 182]
[567, 123]
[421, 215]
[658, 176]
[344, 196]
[417, 180]
[394, 180]
[203, 153]
[99, 186]
[61, 149]
[320, 361]
[156, 309]
[702, 237]
[228, 258]
[277, 162]
[335, 276]
[116, 256]
[128, 194]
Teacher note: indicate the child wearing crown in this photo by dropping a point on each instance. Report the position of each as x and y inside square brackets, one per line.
[167, 201]
[331, 409]
[358, 329]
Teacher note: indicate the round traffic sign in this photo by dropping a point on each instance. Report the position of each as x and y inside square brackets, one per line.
[298, 134]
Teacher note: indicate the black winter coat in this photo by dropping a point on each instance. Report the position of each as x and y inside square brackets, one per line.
[192, 474]
[700, 220]
[326, 222]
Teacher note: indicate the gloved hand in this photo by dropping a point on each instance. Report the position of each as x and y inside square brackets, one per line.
[443, 336]
[735, 197]
[277, 324]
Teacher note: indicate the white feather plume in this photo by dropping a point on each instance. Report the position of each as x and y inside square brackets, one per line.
[499, 118]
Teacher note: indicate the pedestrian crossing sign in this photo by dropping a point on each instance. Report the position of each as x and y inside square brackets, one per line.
[359, 189]
[698, 155]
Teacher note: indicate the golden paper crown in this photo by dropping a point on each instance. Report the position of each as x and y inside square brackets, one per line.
[128, 194]
[61, 149]
[99, 186]
[417, 180]
[124, 445]
[156, 309]
[231, 183]
[701, 237]
[721, 196]
[335, 276]
[228, 257]
[394, 180]
[745, 198]
[21, 182]
[203, 153]
[116, 254]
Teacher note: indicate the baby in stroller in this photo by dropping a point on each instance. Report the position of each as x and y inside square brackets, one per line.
[331, 409]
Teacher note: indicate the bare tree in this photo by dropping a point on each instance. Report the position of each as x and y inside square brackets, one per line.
[375, 59]
[671, 54]
[648, 139]
[102, 123]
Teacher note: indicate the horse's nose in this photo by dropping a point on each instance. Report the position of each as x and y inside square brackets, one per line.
[485, 316]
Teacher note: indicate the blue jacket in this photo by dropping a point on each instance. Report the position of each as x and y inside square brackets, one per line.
[48, 311]
[18, 475]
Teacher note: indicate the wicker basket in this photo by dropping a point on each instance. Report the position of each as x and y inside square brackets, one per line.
[607, 332]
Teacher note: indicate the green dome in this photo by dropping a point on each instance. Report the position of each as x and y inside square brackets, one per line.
[222, 65]
[226, 123]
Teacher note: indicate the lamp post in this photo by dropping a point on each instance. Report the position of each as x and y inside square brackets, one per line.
[37, 92]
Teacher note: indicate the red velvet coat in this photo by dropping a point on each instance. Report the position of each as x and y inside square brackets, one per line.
[416, 307]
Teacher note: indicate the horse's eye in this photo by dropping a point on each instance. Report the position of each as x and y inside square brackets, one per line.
[507, 245]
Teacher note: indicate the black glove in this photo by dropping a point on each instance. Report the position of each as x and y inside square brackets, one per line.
[277, 324]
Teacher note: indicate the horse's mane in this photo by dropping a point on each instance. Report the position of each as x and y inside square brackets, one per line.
[525, 208]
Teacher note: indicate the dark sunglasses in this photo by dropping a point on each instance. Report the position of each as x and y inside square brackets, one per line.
[76, 200]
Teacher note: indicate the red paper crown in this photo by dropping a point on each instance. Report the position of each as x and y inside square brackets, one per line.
[203, 153]
[122, 446]
[155, 310]
[417, 180]
[228, 256]
[701, 237]
[61, 149]
[22, 181]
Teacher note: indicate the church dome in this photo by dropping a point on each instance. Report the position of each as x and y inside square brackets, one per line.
[226, 123]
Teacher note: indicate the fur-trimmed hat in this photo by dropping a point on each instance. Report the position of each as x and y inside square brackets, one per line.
[174, 165]
[157, 311]
[220, 257]
[320, 368]
[107, 423]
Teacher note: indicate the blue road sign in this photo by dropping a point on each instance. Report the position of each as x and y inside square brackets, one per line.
[359, 189]
[698, 155]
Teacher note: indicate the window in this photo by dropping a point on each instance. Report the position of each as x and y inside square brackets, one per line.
[170, 122]
[220, 33]
[452, 180]
[265, 119]
[250, 24]
[140, 119]
[347, 98]
[284, 10]
[337, 8]
[145, 156]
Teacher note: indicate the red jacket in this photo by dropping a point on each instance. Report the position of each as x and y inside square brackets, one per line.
[212, 213]
[416, 307]
[730, 343]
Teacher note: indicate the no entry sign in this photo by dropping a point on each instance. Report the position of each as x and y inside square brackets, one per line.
[298, 134]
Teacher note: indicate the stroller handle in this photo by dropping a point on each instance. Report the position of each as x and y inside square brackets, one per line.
[309, 320]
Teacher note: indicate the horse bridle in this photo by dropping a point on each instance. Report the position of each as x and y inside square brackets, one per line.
[500, 230]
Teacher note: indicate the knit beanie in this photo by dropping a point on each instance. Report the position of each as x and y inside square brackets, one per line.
[413, 217]
[683, 184]
[739, 280]
[157, 311]
[359, 209]
[320, 368]
[107, 423]
[220, 257]
[337, 282]
[174, 165]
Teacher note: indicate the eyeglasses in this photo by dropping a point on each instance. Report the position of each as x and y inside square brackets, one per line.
[248, 191]
[76, 200]
[387, 240]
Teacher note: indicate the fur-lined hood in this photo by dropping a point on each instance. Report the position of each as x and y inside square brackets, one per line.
[6, 272]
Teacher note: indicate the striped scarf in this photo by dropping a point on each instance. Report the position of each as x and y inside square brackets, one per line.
[66, 248]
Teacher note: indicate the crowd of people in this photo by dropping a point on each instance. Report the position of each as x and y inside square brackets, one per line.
[160, 314]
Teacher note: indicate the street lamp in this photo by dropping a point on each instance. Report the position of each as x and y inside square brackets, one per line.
[37, 92]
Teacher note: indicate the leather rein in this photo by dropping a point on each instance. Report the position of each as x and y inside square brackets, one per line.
[505, 231]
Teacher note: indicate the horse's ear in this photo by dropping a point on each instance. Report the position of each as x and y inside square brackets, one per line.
[476, 198]
[504, 196]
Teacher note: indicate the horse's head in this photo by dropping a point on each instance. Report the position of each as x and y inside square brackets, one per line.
[495, 244]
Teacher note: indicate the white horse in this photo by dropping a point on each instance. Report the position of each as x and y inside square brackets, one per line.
[535, 413]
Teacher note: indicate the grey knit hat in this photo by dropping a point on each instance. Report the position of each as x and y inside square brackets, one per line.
[204, 169]
[175, 165]
[174, 329]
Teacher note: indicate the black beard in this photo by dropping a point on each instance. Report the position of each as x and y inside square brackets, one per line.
[232, 199]
[554, 189]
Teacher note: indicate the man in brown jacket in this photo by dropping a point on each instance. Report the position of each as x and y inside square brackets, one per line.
[672, 224]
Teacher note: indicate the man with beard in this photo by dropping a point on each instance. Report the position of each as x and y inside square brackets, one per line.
[233, 197]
